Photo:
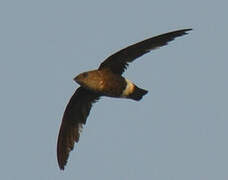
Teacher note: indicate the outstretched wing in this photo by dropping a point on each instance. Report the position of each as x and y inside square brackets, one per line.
[118, 62]
[74, 117]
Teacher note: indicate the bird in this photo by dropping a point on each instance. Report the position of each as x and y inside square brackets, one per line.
[108, 81]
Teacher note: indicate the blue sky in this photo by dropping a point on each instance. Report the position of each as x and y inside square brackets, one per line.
[178, 131]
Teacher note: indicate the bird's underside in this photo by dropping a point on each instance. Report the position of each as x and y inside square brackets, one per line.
[106, 80]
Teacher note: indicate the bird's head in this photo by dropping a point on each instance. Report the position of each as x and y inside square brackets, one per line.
[89, 79]
[82, 78]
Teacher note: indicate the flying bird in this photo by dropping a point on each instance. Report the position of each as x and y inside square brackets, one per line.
[107, 80]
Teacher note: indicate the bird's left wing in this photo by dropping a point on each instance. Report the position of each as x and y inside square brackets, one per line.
[118, 62]
[74, 117]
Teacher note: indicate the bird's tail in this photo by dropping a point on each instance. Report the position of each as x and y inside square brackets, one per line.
[138, 93]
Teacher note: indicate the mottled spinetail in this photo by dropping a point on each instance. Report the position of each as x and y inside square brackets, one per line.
[105, 81]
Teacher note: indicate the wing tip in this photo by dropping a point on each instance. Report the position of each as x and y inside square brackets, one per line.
[61, 167]
[185, 31]
[61, 157]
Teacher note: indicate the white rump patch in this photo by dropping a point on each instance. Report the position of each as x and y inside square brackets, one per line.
[129, 88]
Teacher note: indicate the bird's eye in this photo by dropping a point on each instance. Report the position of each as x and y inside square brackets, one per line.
[85, 75]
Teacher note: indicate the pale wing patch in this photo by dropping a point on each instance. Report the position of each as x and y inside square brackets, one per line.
[129, 88]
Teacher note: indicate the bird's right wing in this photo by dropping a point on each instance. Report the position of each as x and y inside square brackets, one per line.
[74, 117]
[118, 62]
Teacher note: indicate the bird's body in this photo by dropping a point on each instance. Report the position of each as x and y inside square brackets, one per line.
[106, 83]
[107, 80]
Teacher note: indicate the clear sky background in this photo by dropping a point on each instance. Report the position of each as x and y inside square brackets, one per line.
[177, 132]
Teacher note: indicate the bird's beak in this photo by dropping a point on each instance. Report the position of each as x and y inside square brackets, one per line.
[76, 79]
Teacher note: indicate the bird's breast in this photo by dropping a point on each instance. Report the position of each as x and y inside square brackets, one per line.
[108, 83]
[112, 85]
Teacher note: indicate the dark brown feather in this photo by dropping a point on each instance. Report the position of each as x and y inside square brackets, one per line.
[118, 62]
[74, 117]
